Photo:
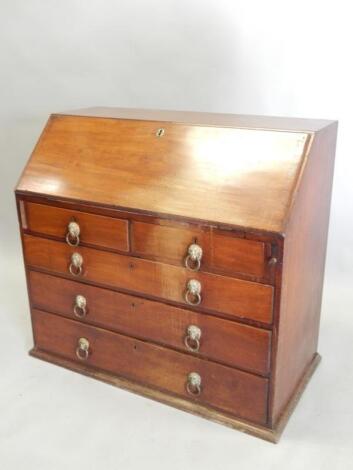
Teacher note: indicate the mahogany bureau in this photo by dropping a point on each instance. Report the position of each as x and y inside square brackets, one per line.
[181, 255]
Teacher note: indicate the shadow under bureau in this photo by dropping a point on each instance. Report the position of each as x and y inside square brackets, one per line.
[181, 255]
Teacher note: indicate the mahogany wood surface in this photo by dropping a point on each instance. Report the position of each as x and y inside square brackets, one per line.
[227, 342]
[96, 230]
[221, 251]
[241, 299]
[271, 434]
[303, 271]
[241, 177]
[254, 192]
[137, 215]
[236, 392]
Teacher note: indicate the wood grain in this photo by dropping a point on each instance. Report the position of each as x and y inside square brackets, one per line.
[98, 230]
[239, 177]
[253, 191]
[230, 296]
[224, 341]
[269, 434]
[236, 392]
[303, 271]
[221, 251]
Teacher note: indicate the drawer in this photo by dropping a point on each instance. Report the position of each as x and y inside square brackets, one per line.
[98, 230]
[235, 392]
[224, 341]
[220, 250]
[229, 296]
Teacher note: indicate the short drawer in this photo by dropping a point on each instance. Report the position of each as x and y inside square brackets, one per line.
[224, 341]
[221, 251]
[233, 391]
[226, 295]
[94, 229]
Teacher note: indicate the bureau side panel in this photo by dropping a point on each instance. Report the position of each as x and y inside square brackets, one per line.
[303, 270]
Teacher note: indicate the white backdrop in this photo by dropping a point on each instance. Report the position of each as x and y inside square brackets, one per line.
[259, 57]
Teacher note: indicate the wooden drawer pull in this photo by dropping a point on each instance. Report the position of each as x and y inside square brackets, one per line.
[192, 338]
[193, 292]
[193, 258]
[193, 384]
[75, 267]
[80, 307]
[82, 350]
[73, 234]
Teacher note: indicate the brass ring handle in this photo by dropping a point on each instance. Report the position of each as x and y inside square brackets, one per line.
[193, 258]
[82, 350]
[80, 309]
[272, 261]
[192, 338]
[75, 267]
[193, 292]
[193, 384]
[73, 234]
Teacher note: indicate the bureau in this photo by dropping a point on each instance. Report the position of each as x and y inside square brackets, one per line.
[181, 255]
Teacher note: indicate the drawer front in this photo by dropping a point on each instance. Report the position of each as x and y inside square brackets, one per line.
[220, 251]
[224, 341]
[106, 232]
[226, 295]
[236, 392]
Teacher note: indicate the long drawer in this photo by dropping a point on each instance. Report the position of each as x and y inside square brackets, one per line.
[236, 392]
[224, 341]
[226, 295]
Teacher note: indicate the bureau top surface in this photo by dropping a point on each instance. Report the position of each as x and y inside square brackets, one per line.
[222, 169]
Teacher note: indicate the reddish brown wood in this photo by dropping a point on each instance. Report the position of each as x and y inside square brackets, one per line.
[96, 230]
[303, 271]
[22, 215]
[239, 177]
[147, 217]
[262, 431]
[231, 296]
[228, 342]
[256, 199]
[221, 251]
[224, 388]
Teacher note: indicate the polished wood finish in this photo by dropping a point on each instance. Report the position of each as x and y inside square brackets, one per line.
[222, 252]
[272, 434]
[96, 230]
[223, 341]
[224, 388]
[232, 297]
[303, 270]
[253, 192]
[223, 175]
